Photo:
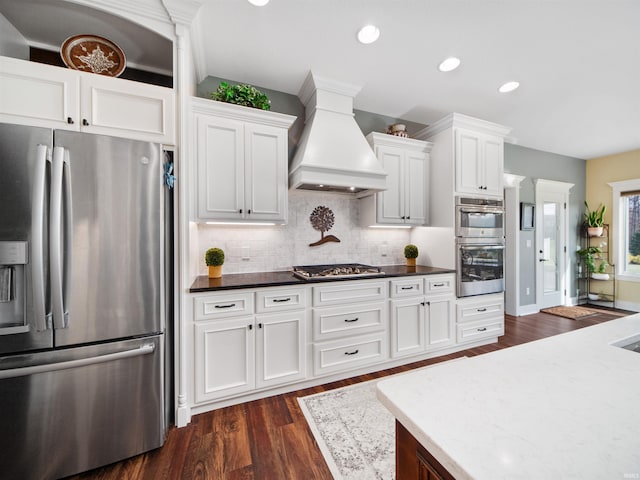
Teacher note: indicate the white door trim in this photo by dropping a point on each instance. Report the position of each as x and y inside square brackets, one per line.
[512, 243]
[561, 191]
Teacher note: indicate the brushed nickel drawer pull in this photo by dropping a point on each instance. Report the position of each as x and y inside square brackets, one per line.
[351, 320]
[226, 306]
[352, 353]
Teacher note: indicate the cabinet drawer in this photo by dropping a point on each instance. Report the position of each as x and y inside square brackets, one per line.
[409, 287]
[473, 331]
[349, 292]
[223, 305]
[440, 284]
[474, 311]
[346, 354]
[336, 322]
[280, 299]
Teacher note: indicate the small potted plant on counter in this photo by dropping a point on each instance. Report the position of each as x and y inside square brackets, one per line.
[594, 220]
[411, 253]
[214, 258]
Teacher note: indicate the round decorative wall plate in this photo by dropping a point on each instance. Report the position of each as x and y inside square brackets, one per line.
[91, 53]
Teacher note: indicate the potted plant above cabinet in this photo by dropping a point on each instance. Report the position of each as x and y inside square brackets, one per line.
[404, 202]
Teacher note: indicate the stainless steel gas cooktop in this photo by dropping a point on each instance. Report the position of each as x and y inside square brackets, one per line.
[338, 270]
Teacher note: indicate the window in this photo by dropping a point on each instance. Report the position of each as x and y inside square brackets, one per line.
[626, 214]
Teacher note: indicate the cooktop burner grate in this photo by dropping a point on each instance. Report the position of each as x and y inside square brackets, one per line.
[339, 270]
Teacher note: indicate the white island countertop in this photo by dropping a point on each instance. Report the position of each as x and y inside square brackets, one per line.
[564, 407]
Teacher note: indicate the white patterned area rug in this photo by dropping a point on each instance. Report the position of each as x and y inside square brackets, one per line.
[354, 431]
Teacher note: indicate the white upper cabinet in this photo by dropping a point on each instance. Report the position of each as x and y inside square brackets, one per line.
[406, 163]
[242, 162]
[49, 96]
[479, 163]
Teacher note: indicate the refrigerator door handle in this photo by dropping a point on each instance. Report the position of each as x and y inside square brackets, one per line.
[42, 318]
[60, 189]
[144, 349]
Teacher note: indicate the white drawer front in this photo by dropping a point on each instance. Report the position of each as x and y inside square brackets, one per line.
[471, 312]
[223, 305]
[410, 287]
[336, 322]
[473, 331]
[280, 299]
[346, 354]
[349, 292]
[440, 284]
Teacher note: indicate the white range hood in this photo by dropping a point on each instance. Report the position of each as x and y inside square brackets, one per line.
[333, 154]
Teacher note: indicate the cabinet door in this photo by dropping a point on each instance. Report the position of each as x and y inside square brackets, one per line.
[112, 106]
[280, 348]
[493, 167]
[224, 358]
[407, 326]
[220, 157]
[415, 197]
[440, 321]
[467, 156]
[39, 95]
[390, 202]
[266, 168]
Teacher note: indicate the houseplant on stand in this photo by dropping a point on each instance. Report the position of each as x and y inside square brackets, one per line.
[594, 220]
[589, 255]
[214, 258]
[411, 253]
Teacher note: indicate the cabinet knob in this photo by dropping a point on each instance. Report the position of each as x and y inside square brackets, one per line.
[240, 210]
[249, 211]
[402, 217]
[70, 120]
[250, 327]
[85, 122]
[408, 217]
[259, 325]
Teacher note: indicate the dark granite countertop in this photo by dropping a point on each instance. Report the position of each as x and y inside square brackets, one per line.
[234, 281]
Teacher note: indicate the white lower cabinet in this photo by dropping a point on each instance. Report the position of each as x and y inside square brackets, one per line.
[280, 353]
[248, 343]
[224, 358]
[422, 323]
[480, 318]
[237, 354]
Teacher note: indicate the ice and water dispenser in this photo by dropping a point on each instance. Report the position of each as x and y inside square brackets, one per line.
[13, 263]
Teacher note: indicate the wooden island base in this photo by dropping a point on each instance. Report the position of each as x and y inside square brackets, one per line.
[413, 461]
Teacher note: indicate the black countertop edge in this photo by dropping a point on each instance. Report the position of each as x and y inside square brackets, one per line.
[235, 281]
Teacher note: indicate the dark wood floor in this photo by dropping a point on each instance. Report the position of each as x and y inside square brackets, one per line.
[269, 439]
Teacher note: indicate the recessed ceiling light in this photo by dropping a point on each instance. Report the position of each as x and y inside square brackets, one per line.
[368, 34]
[259, 3]
[449, 64]
[509, 87]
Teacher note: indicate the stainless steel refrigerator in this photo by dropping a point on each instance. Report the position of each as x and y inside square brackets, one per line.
[81, 301]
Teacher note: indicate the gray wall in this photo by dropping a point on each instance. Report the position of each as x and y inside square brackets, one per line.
[291, 105]
[534, 164]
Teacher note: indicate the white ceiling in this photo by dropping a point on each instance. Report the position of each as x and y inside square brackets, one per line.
[577, 61]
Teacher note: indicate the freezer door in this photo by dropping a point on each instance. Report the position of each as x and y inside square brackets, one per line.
[106, 238]
[76, 409]
[24, 194]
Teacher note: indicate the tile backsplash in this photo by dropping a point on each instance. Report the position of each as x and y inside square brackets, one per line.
[276, 248]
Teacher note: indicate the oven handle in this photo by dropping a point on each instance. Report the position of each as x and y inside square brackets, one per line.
[480, 210]
[482, 247]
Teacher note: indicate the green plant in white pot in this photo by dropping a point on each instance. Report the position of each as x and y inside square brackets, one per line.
[594, 219]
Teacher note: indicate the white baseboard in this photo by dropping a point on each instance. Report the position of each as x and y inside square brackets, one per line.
[527, 310]
[624, 305]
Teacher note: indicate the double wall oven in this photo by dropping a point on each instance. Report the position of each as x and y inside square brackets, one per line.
[479, 246]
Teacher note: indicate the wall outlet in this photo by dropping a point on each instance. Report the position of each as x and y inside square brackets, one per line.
[528, 291]
[528, 243]
[384, 249]
[246, 253]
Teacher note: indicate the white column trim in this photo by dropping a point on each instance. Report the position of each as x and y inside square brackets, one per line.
[512, 239]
